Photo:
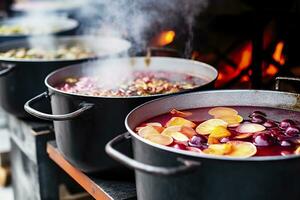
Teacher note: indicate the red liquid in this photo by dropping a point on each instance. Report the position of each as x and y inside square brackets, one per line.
[201, 114]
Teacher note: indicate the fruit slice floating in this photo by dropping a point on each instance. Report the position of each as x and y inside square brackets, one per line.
[189, 132]
[218, 149]
[179, 121]
[212, 140]
[208, 126]
[180, 113]
[220, 132]
[242, 149]
[161, 139]
[178, 136]
[147, 131]
[243, 136]
[222, 111]
[171, 129]
[250, 128]
[231, 119]
[153, 124]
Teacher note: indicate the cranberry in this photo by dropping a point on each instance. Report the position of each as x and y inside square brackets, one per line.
[197, 141]
[263, 139]
[292, 131]
[257, 113]
[286, 123]
[180, 146]
[258, 119]
[269, 124]
[285, 143]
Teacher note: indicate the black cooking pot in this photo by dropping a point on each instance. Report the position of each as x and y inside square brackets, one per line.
[84, 124]
[63, 26]
[22, 79]
[167, 173]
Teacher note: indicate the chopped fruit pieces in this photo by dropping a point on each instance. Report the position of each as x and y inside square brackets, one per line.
[179, 121]
[250, 128]
[161, 139]
[226, 133]
[242, 149]
[231, 119]
[180, 113]
[222, 111]
[177, 136]
[220, 132]
[147, 131]
[243, 136]
[218, 149]
[205, 128]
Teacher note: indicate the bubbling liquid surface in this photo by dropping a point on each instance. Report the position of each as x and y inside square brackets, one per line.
[260, 131]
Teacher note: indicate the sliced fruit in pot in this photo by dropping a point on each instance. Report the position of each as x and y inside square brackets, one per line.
[161, 139]
[222, 111]
[242, 149]
[188, 131]
[297, 151]
[218, 149]
[220, 132]
[231, 119]
[180, 113]
[250, 128]
[177, 136]
[208, 126]
[212, 140]
[179, 121]
[147, 131]
[171, 129]
[243, 136]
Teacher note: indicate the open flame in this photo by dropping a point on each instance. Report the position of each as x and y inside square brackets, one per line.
[278, 57]
[164, 38]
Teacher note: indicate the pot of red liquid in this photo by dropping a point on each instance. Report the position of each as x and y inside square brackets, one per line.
[230, 144]
[90, 101]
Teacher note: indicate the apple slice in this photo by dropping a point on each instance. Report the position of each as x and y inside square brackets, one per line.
[180, 113]
[161, 139]
[243, 136]
[205, 128]
[147, 131]
[250, 128]
[212, 140]
[222, 111]
[179, 121]
[231, 119]
[178, 136]
[218, 149]
[242, 149]
[220, 132]
[188, 131]
[171, 129]
[297, 151]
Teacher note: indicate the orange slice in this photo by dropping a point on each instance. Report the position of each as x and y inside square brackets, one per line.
[250, 128]
[218, 149]
[179, 121]
[222, 111]
[231, 119]
[242, 149]
[243, 136]
[147, 131]
[220, 132]
[205, 128]
[188, 131]
[212, 140]
[161, 139]
[180, 113]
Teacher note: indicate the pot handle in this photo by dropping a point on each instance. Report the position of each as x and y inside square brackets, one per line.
[50, 117]
[186, 167]
[279, 79]
[6, 68]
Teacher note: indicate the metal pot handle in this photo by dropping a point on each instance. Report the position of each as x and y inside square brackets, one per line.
[6, 68]
[50, 117]
[279, 79]
[187, 165]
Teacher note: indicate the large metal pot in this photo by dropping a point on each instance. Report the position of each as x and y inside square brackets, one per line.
[84, 124]
[63, 26]
[22, 79]
[167, 173]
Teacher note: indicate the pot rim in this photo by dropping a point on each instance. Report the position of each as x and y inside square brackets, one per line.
[207, 156]
[133, 97]
[127, 46]
[71, 24]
